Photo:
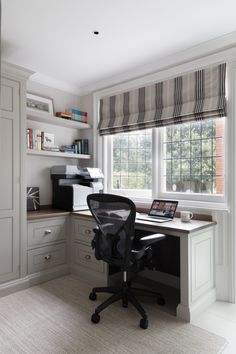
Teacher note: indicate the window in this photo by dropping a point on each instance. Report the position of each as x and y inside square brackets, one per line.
[132, 161]
[186, 158]
[193, 157]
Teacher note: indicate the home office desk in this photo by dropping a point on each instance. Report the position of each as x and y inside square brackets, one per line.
[195, 239]
[197, 283]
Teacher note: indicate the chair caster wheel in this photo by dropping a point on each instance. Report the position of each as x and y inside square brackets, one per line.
[125, 303]
[93, 296]
[161, 301]
[95, 318]
[143, 323]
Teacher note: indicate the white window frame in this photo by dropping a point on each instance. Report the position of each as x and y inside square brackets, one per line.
[158, 188]
[132, 193]
[191, 197]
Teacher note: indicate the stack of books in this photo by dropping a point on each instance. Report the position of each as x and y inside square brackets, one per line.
[39, 140]
[82, 146]
[78, 115]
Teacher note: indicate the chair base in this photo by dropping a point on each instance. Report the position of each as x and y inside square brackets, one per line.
[127, 294]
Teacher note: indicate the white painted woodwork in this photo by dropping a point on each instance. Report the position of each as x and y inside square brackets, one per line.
[43, 258]
[83, 230]
[46, 231]
[58, 154]
[197, 267]
[50, 119]
[83, 259]
[9, 180]
[84, 256]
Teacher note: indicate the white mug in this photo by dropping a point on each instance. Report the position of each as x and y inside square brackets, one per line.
[186, 216]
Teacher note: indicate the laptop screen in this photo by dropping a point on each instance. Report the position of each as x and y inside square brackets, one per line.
[163, 208]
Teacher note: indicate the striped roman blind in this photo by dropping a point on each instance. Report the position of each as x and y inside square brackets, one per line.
[194, 96]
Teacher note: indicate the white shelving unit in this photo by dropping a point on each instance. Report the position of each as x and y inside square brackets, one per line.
[58, 154]
[48, 118]
[42, 117]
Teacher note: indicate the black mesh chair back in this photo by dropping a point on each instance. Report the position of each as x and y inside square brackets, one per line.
[115, 217]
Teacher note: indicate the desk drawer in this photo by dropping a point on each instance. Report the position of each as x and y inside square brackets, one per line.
[83, 230]
[84, 255]
[43, 232]
[46, 257]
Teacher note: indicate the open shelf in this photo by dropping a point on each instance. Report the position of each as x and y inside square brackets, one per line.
[58, 154]
[48, 118]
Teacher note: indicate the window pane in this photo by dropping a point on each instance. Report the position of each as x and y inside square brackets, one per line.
[194, 157]
[132, 160]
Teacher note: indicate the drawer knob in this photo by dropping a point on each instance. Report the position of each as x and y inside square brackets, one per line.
[87, 256]
[47, 232]
[88, 232]
[48, 257]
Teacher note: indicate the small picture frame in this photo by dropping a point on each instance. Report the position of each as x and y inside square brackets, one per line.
[39, 104]
[33, 198]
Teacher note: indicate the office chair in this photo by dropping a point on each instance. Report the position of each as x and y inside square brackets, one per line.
[115, 243]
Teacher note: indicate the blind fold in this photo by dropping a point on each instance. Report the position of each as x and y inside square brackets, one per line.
[194, 96]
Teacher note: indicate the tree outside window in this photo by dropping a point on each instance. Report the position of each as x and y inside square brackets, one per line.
[193, 157]
[132, 160]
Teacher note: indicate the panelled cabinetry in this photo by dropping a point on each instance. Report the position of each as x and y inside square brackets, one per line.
[47, 244]
[84, 262]
[12, 210]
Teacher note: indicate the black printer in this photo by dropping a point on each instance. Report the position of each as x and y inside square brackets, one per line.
[72, 184]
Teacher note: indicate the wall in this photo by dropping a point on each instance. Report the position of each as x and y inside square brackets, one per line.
[86, 104]
[38, 167]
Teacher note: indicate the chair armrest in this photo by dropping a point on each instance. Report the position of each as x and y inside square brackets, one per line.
[150, 239]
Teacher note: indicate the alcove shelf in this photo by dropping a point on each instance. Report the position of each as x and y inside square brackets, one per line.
[50, 119]
[57, 154]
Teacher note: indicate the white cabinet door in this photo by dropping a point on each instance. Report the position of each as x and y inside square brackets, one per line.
[9, 180]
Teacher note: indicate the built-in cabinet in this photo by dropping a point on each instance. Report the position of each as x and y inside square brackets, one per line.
[9, 180]
[47, 243]
[84, 262]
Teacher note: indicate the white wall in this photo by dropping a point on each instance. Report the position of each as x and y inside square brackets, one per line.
[86, 104]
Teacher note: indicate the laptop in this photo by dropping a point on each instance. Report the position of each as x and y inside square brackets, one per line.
[160, 211]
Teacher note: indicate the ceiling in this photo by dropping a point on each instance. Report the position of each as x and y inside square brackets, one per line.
[55, 38]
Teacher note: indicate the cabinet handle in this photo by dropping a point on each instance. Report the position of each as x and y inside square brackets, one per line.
[48, 257]
[47, 232]
[87, 256]
[88, 232]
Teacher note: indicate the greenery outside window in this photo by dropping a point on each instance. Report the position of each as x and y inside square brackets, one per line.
[193, 157]
[132, 161]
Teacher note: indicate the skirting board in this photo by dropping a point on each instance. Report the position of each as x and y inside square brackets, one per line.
[189, 313]
[33, 279]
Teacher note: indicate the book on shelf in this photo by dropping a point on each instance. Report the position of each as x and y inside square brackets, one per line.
[33, 139]
[39, 140]
[82, 146]
[78, 115]
[65, 115]
[47, 140]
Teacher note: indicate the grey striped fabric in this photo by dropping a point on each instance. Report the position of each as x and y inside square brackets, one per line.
[194, 96]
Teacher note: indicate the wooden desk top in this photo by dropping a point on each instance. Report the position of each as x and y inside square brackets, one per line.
[175, 226]
[46, 213]
[171, 227]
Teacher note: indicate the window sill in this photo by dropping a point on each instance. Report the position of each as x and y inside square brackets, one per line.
[185, 204]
